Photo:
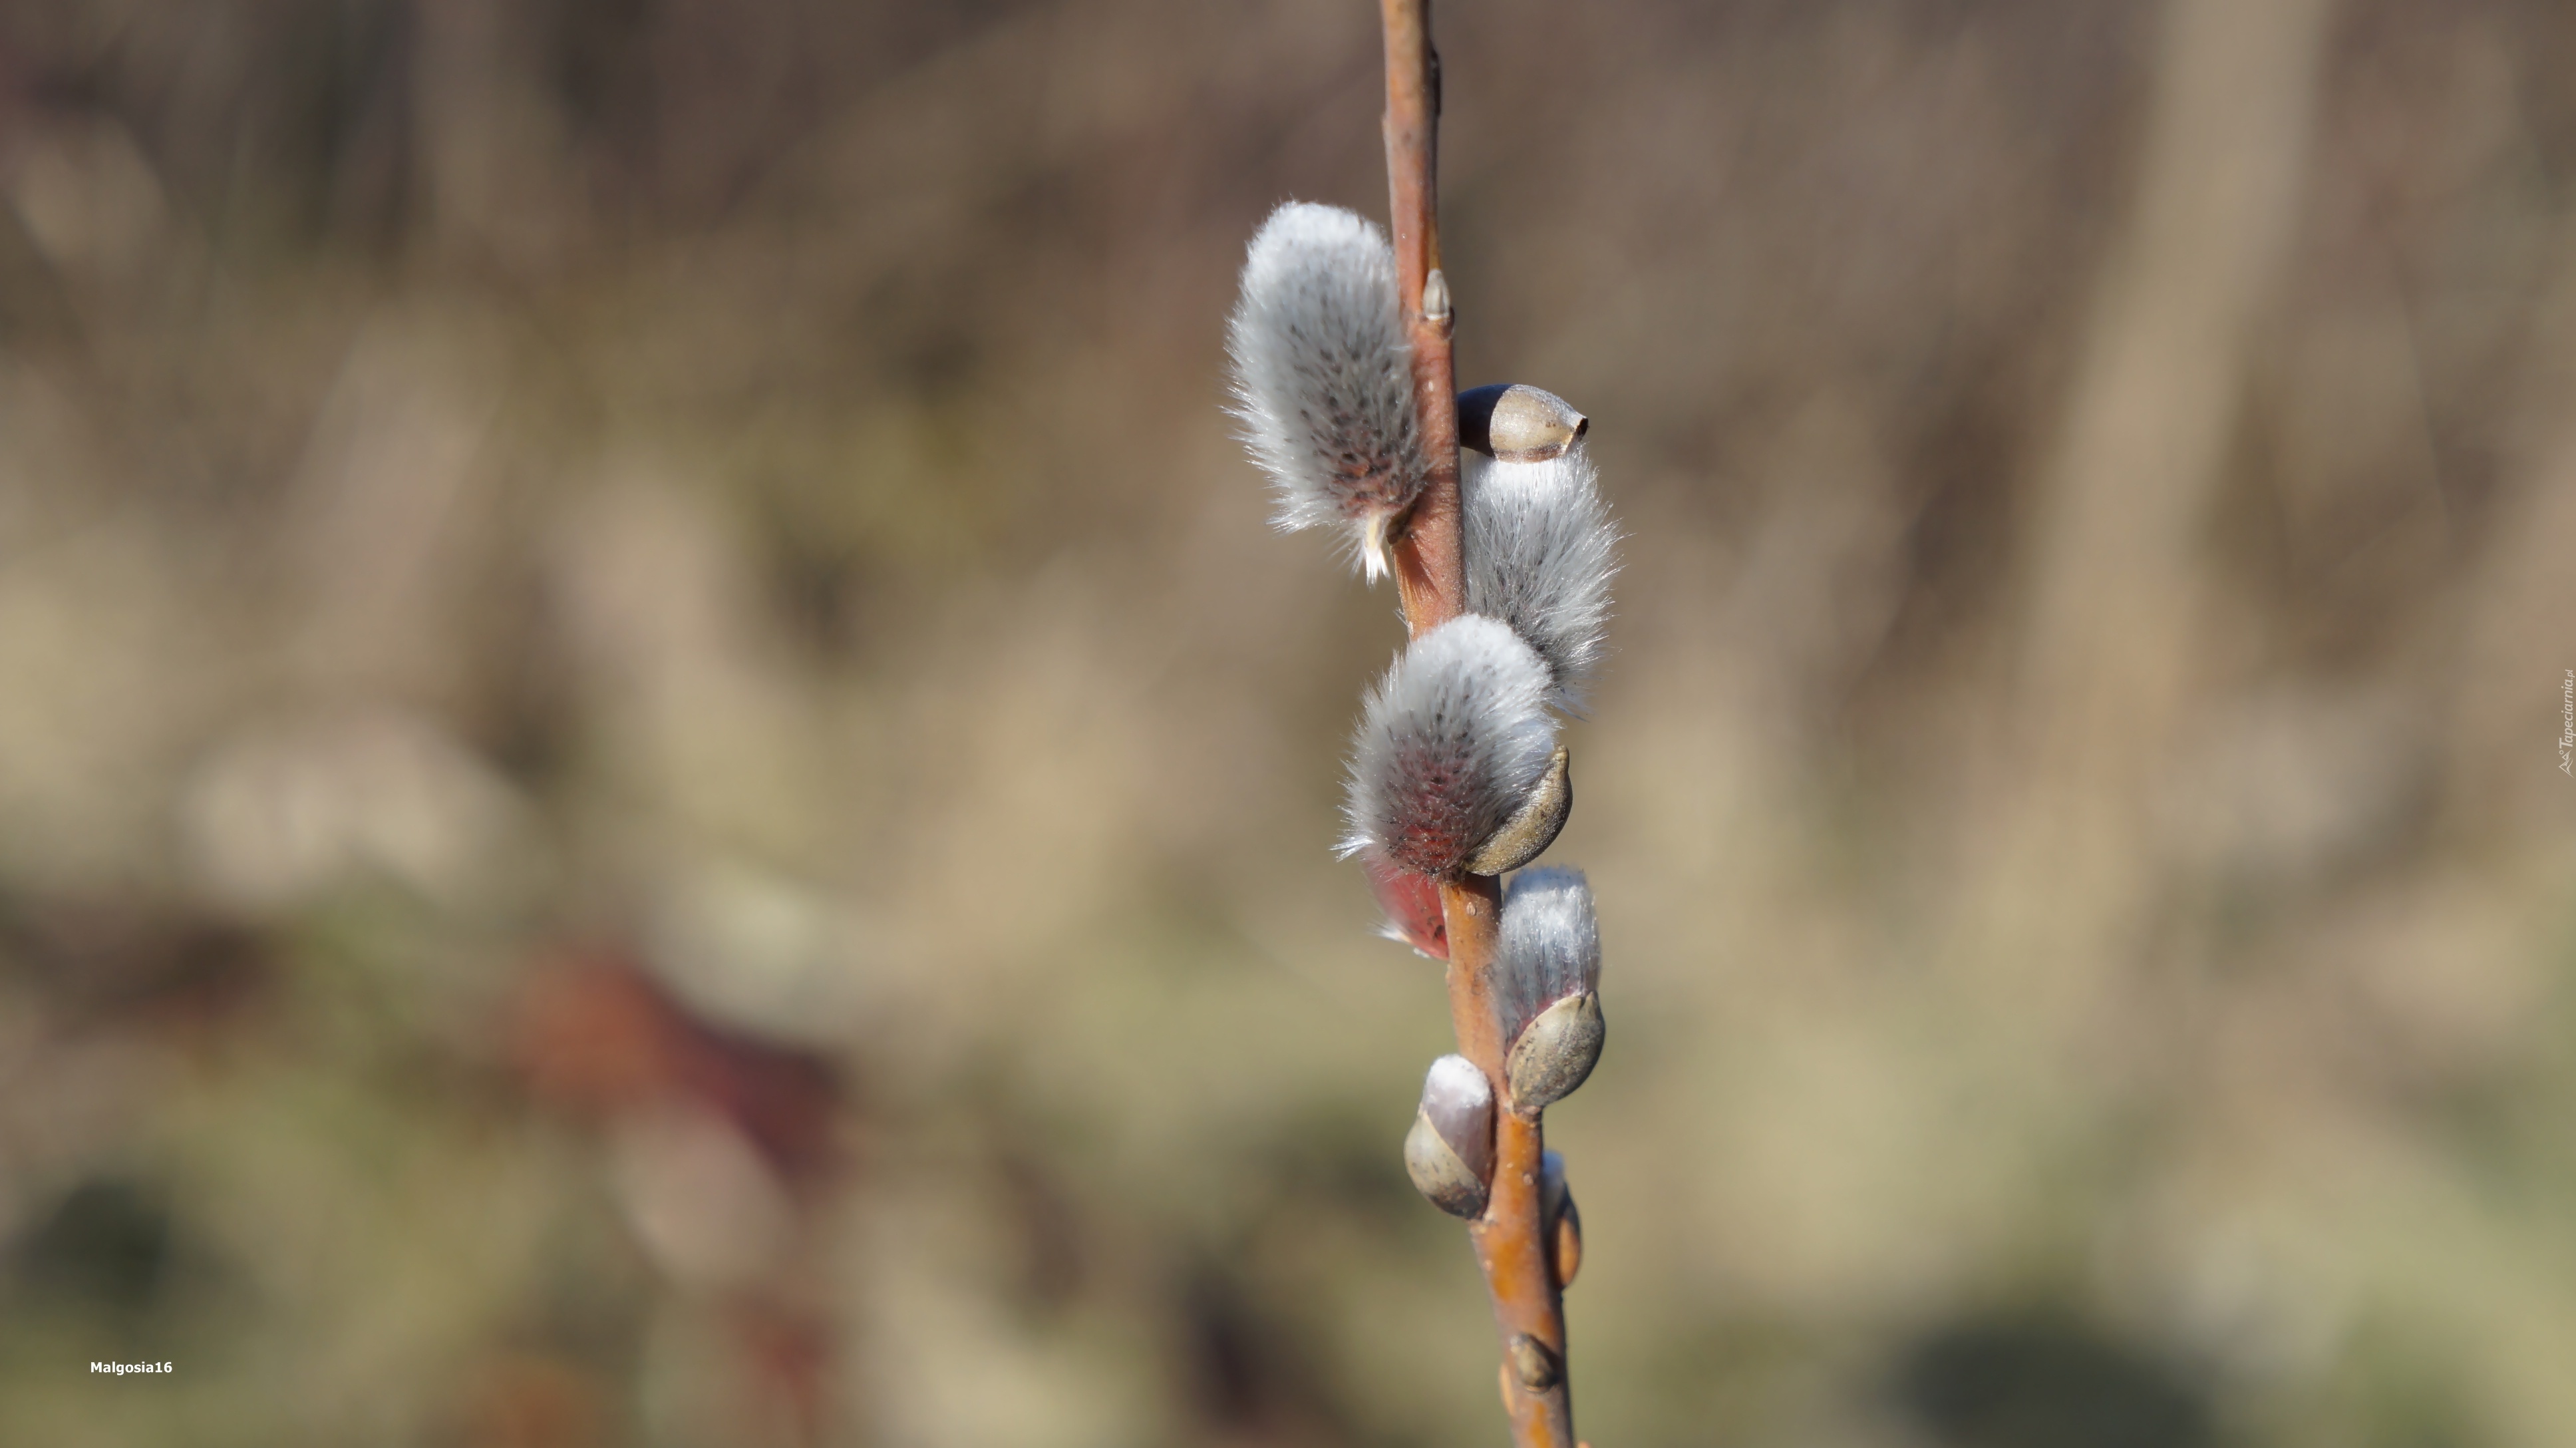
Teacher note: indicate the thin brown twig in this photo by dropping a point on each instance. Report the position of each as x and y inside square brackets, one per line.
[1510, 1242]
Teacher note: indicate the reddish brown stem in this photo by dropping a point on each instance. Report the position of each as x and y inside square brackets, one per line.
[1428, 570]
[1529, 1314]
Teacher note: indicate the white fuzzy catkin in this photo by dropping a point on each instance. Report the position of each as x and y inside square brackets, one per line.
[1323, 378]
[1539, 553]
[1452, 742]
[1550, 946]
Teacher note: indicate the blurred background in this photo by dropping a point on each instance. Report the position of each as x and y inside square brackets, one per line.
[659, 785]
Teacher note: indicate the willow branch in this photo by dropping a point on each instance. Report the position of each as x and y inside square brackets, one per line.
[1428, 570]
[1509, 1238]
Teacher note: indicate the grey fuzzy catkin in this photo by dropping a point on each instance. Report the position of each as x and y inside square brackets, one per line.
[1540, 555]
[1550, 946]
[1323, 377]
[1450, 745]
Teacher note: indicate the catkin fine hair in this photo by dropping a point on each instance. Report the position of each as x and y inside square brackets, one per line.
[1550, 946]
[1323, 377]
[1540, 555]
[1451, 744]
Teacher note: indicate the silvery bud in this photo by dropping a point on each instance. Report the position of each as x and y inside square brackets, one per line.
[1540, 555]
[1547, 987]
[1449, 1153]
[1323, 376]
[1451, 746]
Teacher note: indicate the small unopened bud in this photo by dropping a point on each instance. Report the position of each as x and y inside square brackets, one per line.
[1560, 1224]
[1517, 422]
[1547, 987]
[1449, 1153]
[1540, 554]
[1411, 903]
[1323, 377]
[1451, 745]
[1528, 834]
[1555, 1053]
[1534, 1364]
[1435, 296]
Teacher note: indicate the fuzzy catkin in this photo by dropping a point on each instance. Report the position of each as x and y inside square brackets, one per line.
[1411, 903]
[1451, 743]
[1323, 377]
[1550, 946]
[1540, 555]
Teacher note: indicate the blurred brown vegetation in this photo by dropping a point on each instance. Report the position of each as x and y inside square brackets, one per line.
[658, 784]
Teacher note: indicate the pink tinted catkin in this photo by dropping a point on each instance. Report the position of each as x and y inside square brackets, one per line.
[1453, 742]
